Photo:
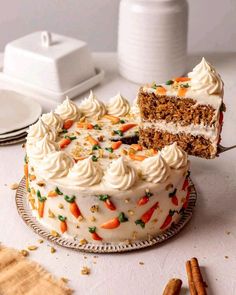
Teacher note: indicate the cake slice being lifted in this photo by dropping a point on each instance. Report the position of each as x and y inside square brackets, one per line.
[186, 110]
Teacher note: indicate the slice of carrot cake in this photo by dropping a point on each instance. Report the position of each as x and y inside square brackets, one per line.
[187, 110]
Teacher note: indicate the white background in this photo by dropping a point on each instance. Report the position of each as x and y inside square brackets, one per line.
[212, 25]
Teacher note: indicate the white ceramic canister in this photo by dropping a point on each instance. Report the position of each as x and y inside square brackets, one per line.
[152, 39]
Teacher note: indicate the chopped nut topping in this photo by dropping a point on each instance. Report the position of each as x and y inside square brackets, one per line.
[52, 250]
[131, 212]
[65, 280]
[80, 218]
[32, 248]
[169, 186]
[61, 206]
[85, 270]
[41, 183]
[14, 186]
[127, 201]
[93, 219]
[32, 191]
[94, 208]
[134, 235]
[54, 233]
[41, 241]
[124, 152]
[51, 214]
[100, 138]
[25, 253]
[83, 242]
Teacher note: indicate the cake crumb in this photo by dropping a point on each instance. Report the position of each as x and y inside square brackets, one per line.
[14, 186]
[52, 250]
[226, 257]
[127, 201]
[41, 241]
[85, 270]
[228, 233]
[41, 183]
[65, 280]
[24, 252]
[141, 262]
[85, 257]
[32, 248]
[94, 208]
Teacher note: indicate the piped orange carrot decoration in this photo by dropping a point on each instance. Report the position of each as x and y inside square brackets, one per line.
[92, 140]
[26, 172]
[137, 157]
[147, 215]
[174, 198]
[63, 224]
[107, 201]
[182, 79]
[74, 209]
[160, 90]
[126, 127]
[32, 177]
[41, 203]
[113, 119]
[95, 236]
[168, 219]
[64, 142]
[67, 124]
[145, 199]
[55, 193]
[85, 125]
[116, 144]
[136, 147]
[115, 222]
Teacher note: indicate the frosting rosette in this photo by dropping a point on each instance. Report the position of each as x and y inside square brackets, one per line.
[204, 78]
[120, 175]
[85, 173]
[174, 156]
[118, 106]
[55, 164]
[92, 107]
[68, 110]
[38, 130]
[41, 148]
[53, 120]
[155, 169]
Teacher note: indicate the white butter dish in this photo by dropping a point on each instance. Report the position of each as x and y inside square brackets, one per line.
[51, 65]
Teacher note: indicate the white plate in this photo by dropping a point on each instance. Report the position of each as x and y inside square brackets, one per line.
[14, 133]
[23, 134]
[17, 111]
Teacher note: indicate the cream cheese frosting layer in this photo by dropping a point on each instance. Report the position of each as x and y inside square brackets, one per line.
[85, 173]
[68, 110]
[174, 156]
[53, 120]
[205, 79]
[120, 175]
[38, 130]
[118, 106]
[55, 165]
[91, 107]
[155, 169]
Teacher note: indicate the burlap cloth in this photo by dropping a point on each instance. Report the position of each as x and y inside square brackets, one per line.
[20, 276]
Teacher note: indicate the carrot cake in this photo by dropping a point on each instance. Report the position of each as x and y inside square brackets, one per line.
[187, 110]
[86, 181]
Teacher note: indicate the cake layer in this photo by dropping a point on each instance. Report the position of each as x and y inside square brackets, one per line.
[185, 111]
[193, 145]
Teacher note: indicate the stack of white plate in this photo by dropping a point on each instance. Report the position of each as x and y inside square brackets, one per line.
[17, 113]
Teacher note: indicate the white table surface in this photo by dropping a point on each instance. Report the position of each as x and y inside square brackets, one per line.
[210, 235]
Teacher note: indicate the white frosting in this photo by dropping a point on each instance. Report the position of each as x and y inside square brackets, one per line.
[91, 107]
[205, 79]
[67, 110]
[120, 175]
[53, 120]
[174, 156]
[55, 165]
[42, 148]
[118, 106]
[85, 173]
[155, 169]
[38, 130]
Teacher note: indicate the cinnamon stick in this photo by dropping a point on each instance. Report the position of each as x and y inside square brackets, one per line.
[190, 279]
[173, 287]
[197, 277]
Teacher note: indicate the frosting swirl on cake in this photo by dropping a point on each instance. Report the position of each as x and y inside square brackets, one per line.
[92, 107]
[67, 110]
[118, 106]
[53, 120]
[174, 156]
[155, 169]
[38, 130]
[85, 173]
[56, 164]
[204, 78]
[120, 175]
[42, 148]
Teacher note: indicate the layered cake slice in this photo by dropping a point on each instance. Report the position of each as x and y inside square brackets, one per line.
[187, 110]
